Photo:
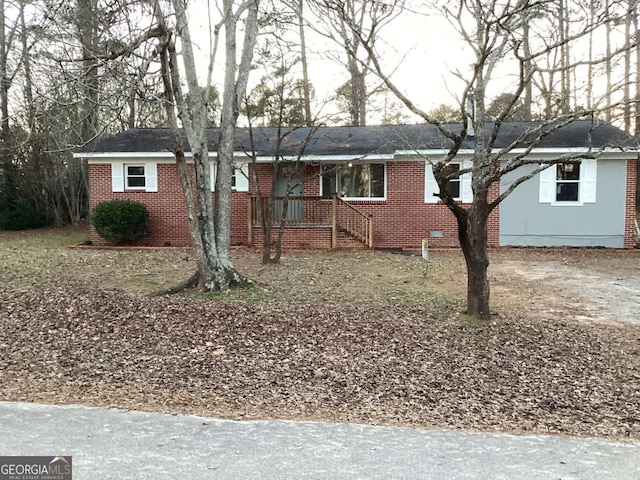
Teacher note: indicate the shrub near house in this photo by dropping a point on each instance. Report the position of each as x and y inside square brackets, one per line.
[121, 222]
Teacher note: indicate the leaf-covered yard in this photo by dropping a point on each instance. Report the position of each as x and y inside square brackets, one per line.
[358, 337]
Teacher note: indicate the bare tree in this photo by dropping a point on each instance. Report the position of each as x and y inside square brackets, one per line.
[306, 85]
[636, 100]
[493, 32]
[278, 101]
[209, 227]
[340, 19]
[7, 37]
[274, 206]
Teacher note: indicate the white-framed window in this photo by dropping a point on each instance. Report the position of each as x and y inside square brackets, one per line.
[454, 183]
[459, 187]
[569, 183]
[355, 181]
[239, 177]
[134, 177]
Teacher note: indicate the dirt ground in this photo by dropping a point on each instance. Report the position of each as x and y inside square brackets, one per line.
[589, 285]
[369, 337]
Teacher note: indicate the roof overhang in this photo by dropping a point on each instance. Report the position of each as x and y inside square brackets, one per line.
[168, 157]
[541, 153]
[399, 155]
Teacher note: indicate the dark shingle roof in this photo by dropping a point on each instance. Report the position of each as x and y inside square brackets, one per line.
[370, 139]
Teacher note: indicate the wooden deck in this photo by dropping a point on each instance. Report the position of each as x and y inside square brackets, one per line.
[312, 211]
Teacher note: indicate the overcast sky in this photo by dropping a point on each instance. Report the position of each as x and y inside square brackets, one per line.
[421, 51]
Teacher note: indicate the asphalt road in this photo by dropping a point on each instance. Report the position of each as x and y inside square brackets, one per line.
[112, 444]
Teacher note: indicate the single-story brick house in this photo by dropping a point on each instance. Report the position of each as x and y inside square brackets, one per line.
[384, 187]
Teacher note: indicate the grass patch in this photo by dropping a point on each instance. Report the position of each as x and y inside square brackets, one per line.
[42, 241]
[252, 294]
[467, 322]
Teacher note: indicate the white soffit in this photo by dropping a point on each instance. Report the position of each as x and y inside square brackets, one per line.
[542, 153]
[168, 157]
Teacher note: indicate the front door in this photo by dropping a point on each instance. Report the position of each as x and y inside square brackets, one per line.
[290, 180]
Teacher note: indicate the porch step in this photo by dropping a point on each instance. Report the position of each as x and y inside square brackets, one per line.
[347, 242]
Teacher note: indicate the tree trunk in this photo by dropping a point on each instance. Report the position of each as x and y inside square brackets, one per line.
[472, 223]
[87, 34]
[235, 85]
[608, 70]
[636, 28]
[226, 144]
[283, 220]
[358, 94]
[472, 234]
[528, 89]
[627, 68]
[563, 18]
[305, 68]
[5, 135]
[212, 273]
[267, 221]
[266, 235]
[592, 16]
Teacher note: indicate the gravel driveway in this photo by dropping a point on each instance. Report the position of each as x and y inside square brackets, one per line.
[591, 285]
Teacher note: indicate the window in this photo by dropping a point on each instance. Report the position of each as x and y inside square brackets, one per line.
[354, 181]
[135, 177]
[239, 177]
[454, 183]
[567, 182]
[459, 187]
[139, 176]
[570, 183]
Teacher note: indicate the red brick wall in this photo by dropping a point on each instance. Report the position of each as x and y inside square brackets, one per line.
[299, 238]
[630, 213]
[403, 219]
[167, 212]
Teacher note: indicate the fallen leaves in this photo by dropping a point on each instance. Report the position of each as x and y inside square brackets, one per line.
[345, 337]
[388, 365]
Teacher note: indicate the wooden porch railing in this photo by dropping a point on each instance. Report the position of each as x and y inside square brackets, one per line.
[304, 210]
[353, 221]
[298, 210]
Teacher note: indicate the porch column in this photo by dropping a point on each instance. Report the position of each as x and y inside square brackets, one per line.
[249, 221]
[334, 221]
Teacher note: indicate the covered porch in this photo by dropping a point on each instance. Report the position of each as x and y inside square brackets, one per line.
[348, 227]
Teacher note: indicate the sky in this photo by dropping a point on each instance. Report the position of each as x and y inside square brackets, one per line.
[419, 50]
